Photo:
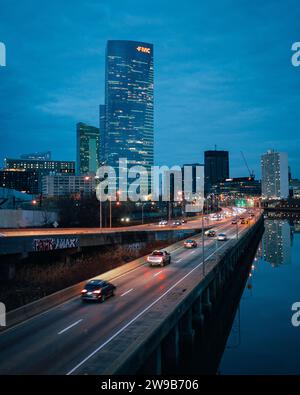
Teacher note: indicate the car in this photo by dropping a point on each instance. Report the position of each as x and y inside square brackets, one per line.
[176, 223]
[183, 221]
[234, 222]
[210, 233]
[163, 222]
[159, 258]
[190, 244]
[222, 237]
[97, 290]
[244, 221]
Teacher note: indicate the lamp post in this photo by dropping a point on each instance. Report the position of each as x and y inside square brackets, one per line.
[202, 233]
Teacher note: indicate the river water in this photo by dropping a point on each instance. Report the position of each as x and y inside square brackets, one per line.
[263, 339]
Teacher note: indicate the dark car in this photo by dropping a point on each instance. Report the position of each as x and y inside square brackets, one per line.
[97, 290]
[210, 233]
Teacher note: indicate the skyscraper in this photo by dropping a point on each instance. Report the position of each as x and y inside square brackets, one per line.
[87, 149]
[274, 169]
[216, 167]
[126, 120]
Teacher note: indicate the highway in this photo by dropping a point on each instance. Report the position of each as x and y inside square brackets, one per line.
[63, 339]
[191, 224]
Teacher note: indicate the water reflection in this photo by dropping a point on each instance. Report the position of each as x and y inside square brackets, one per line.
[262, 339]
[277, 242]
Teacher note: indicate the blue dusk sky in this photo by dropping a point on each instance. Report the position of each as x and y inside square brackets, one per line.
[223, 75]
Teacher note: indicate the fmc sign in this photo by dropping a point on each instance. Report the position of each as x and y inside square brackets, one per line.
[143, 49]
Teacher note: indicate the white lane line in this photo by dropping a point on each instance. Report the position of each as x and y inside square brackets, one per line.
[69, 327]
[127, 292]
[140, 314]
[193, 252]
[179, 260]
[156, 274]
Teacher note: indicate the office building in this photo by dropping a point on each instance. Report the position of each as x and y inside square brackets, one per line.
[42, 168]
[238, 187]
[67, 185]
[37, 156]
[87, 148]
[216, 167]
[126, 119]
[26, 181]
[274, 168]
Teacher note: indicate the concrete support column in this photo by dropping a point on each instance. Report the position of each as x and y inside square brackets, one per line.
[213, 290]
[198, 316]
[206, 300]
[153, 364]
[186, 330]
[7, 271]
[170, 352]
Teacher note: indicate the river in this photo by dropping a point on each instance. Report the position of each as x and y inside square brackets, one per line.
[263, 339]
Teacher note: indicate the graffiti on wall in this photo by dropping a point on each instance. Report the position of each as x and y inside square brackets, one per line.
[51, 244]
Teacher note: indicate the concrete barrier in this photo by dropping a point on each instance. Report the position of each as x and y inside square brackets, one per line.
[32, 309]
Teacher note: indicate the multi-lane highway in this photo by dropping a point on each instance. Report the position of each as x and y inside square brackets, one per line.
[191, 224]
[64, 338]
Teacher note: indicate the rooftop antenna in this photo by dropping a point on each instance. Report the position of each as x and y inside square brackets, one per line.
[215, 147]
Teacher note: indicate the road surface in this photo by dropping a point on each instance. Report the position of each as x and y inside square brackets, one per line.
[63, 339]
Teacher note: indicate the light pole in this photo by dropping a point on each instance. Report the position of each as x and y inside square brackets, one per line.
[237, 228]
[202, 233]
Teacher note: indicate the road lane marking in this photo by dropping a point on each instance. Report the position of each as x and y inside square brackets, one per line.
[156, 274]
[179, 260]
[69, 327]
[139, 315]
[127, 292]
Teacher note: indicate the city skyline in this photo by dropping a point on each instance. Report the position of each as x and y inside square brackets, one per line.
[208, 85]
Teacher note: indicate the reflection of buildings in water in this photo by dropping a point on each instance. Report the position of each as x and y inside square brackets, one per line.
[277, 242]
[297, 226]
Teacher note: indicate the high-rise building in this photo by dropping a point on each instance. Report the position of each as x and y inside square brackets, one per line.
[274, 168]
[126, 120]
[42, 168]
[37, 156]
[87, 148]
[216, 167]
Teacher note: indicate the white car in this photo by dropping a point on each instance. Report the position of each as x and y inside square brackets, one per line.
[163, 222]
[222, 237]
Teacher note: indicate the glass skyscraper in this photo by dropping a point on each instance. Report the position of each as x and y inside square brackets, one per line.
[126, 119]
[87, 149]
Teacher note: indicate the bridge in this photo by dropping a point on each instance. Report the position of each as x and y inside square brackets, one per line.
[17, 244]
[149, 325]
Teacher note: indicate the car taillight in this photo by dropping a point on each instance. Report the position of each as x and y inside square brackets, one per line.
[97, 291]
[84, 291]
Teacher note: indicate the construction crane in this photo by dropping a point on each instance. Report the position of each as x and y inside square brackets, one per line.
[251, 172]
